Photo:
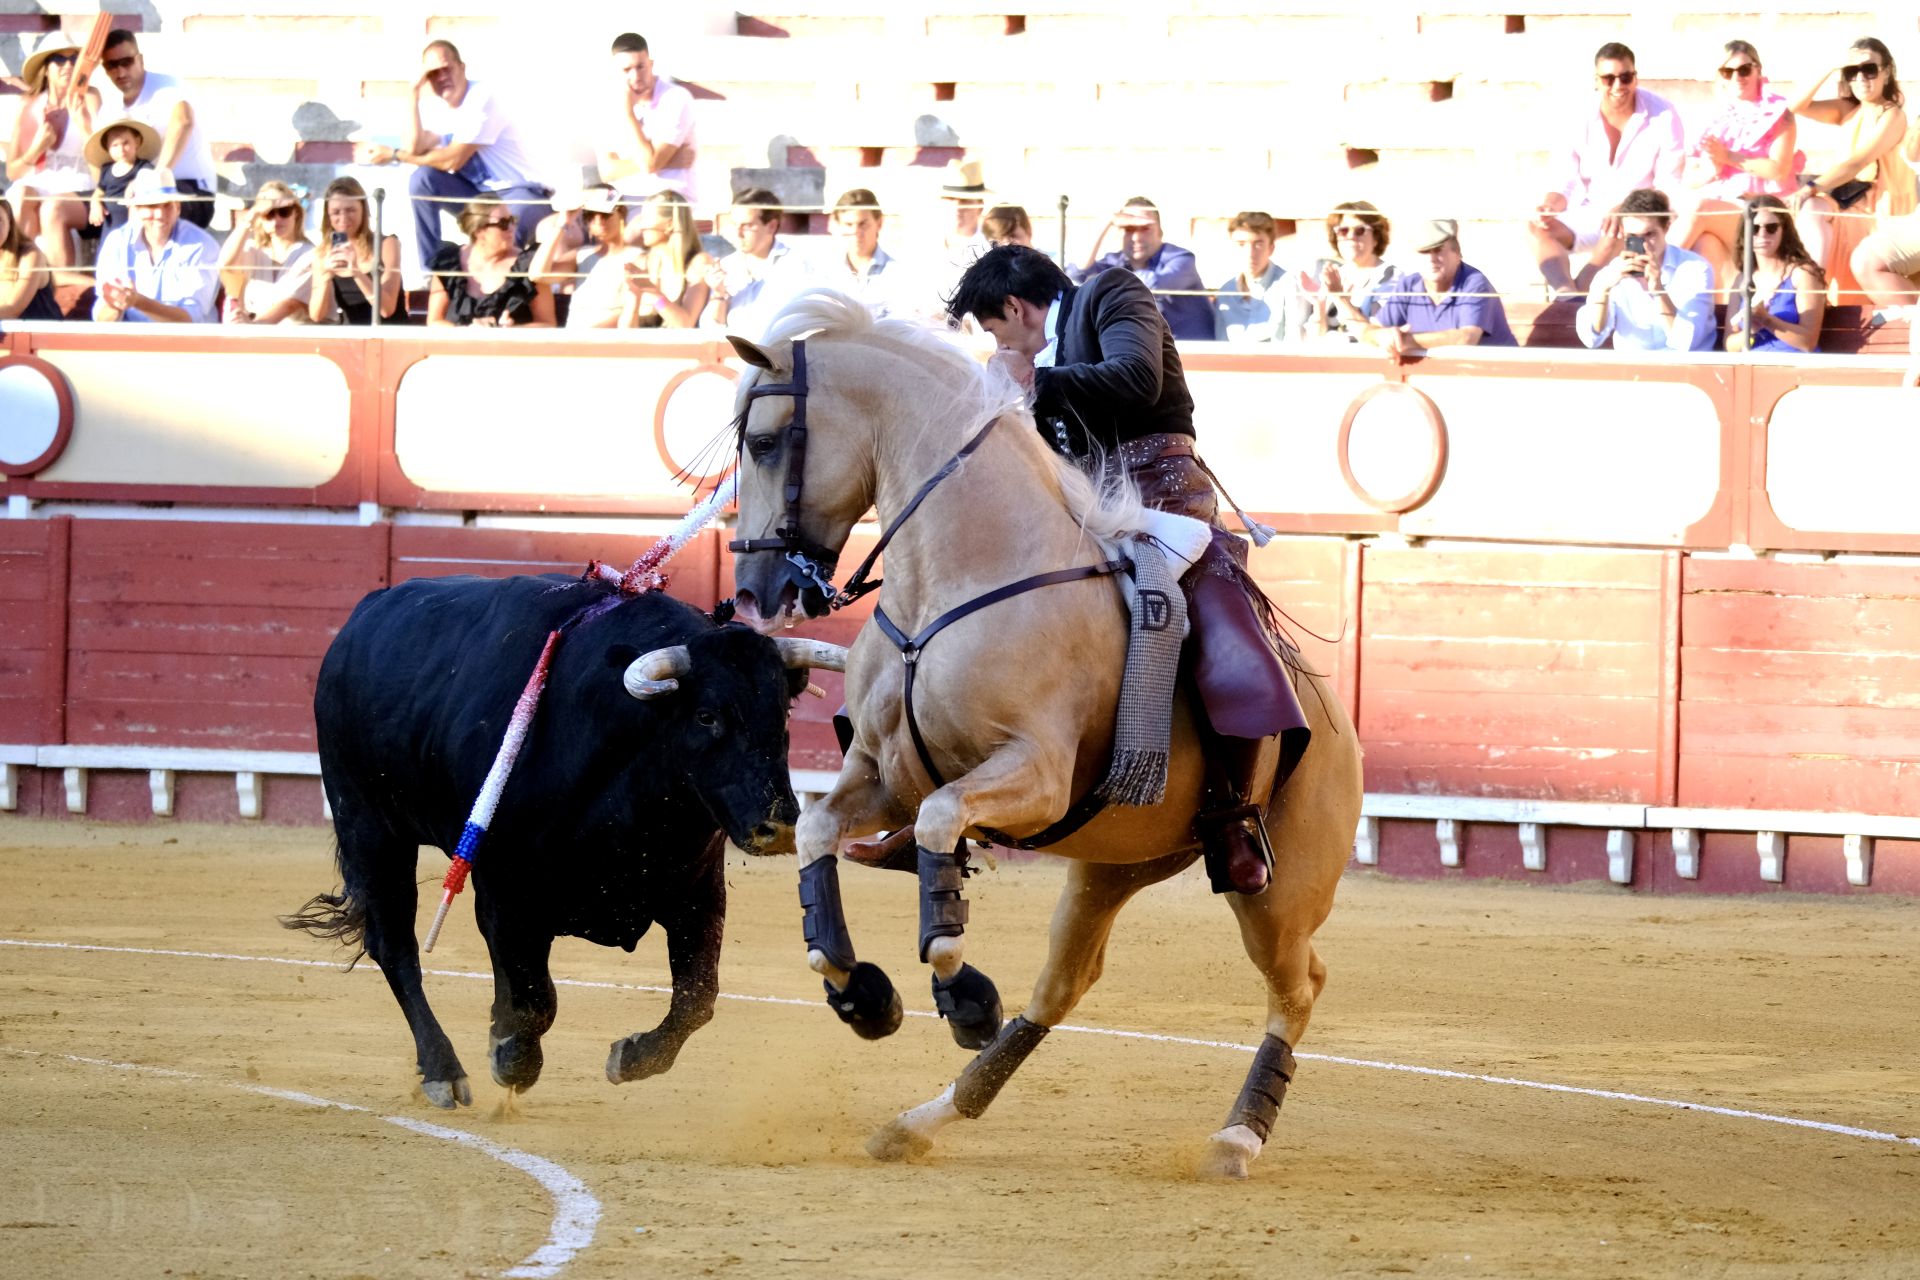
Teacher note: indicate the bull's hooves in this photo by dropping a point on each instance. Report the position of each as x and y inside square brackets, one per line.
[516, 1061]
[893, 1141]
[447, 1094]
[637, 1057]
[971, 1005]
[869, 1004]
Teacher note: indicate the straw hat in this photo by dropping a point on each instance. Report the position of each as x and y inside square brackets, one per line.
[96, 148]
[33, 70]
[154, 186]
[965, 180]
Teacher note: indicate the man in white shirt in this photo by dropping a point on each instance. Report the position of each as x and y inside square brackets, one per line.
[751, 284]
[156, 100]
[463, 145]
[1633, 140]
[651, 147]
[1653, 297]
[156, 266]
[1251, 306]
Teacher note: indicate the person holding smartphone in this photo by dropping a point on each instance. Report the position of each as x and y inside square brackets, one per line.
[1654, 296]
[343, 273]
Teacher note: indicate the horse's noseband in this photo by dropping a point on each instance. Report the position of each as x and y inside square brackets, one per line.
[810, 566]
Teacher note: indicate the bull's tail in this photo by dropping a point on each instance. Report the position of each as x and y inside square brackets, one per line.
[340, 916]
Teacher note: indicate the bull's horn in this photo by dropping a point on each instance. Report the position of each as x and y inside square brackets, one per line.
[797, 653]
[652, 674]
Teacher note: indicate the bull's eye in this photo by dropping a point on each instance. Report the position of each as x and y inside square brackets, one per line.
[758, 447]
[706, 719]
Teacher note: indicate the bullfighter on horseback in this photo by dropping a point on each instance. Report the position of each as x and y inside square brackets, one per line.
[1107, 391]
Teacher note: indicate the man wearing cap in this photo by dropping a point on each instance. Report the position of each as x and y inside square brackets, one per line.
[1449, 305]
[1166, 269]
[461, 144]
[157, 101]
[158, 266]
[964, 193]
[1107, 389]
[651, 146]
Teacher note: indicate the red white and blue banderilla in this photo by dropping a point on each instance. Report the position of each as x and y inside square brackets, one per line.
[643, 576]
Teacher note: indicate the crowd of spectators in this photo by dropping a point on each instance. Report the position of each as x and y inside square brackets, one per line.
[1644, 226]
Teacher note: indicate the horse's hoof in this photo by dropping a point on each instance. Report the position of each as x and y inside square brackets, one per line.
[515, 1061]
[971, 1005]
[447, 1094]
[893, 1141]
[869, 1004]
[1228, 1154]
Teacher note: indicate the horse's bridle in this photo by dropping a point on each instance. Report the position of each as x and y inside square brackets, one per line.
[810, 565]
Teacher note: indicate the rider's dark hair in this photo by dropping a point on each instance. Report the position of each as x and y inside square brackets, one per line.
[1008, 271]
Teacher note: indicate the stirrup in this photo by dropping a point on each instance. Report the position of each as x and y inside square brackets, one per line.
[1218, 830]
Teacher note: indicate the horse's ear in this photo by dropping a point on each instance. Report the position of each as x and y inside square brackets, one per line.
[752, 354]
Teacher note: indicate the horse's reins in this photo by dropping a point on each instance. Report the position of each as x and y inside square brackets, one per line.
[809, 558]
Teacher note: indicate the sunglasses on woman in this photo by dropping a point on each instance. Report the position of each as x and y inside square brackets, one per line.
[1868, 71]
[1624, 77]
[1766, 228]
[283, 211]
[1346, 233]
[1744, 70]
[501, 224]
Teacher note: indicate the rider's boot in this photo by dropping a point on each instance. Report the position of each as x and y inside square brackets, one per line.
[1232, 831]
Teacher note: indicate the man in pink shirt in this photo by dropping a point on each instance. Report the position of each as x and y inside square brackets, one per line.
[1633, 141]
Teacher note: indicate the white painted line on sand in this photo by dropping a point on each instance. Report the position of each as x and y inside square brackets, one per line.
[1371, 1064]
[576, 1211]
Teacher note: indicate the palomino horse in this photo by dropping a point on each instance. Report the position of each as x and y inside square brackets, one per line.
[1012, 704]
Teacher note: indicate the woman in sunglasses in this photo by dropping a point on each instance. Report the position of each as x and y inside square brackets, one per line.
[266, 265]
[1746, 149]
[488, 281]
[1872, 180]
[46, 164]
[1335, 294]
[1789, 289]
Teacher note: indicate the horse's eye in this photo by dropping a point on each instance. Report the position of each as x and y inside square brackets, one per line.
[759, 446]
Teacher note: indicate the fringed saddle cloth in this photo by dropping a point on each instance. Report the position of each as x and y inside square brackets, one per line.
[1143, 720]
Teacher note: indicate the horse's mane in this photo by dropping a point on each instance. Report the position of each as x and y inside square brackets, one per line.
[1110, 509]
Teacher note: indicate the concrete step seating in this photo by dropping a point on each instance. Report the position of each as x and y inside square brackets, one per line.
[1211, 106]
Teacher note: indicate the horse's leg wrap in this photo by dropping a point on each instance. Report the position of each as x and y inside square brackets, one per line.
[823, 922]
[984, 1077]
[943, 912]
[1266, 1086]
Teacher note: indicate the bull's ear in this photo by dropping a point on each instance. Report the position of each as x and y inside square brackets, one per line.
[752, 354]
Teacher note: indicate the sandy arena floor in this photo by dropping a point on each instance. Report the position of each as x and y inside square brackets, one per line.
[747, 1159]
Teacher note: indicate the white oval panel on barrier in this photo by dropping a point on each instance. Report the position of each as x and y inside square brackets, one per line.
[240, 418]
[1565, 459]
[29, 415]
[547, 425]
[1845, 458]
[1274, 438]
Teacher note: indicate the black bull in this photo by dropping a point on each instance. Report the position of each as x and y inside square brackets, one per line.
[615, 816]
